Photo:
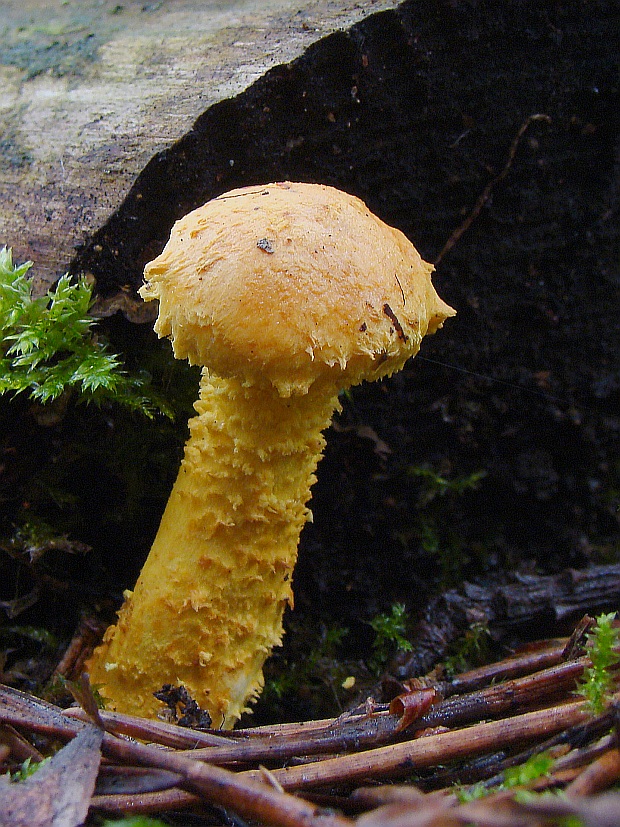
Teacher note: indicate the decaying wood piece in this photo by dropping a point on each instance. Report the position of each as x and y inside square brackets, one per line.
[90, 92]
[525, 599]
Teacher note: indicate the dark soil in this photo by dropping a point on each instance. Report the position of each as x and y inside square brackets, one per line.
[417, 112]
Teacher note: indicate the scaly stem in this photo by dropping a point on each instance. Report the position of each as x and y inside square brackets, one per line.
[207, 608]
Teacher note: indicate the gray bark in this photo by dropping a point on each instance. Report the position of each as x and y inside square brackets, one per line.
[89, 92]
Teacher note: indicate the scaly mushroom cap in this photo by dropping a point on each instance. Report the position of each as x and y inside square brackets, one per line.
[292, 283]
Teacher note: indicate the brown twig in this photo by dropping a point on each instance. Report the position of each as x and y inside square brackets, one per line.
[562, 746]
[524, 663]
[486, 192]
[18, 746]
[492, 726]
[356, 732]
[87, 635]
[168, 735]
[146, 803]
[364, 731]
[403, 758]
[600, 775]
[247, 796]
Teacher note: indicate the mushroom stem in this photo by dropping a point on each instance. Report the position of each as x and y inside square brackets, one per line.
[227, 544]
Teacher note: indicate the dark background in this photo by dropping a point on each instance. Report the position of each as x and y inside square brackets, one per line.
[420, 112]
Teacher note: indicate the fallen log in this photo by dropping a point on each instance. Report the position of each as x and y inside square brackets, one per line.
[89, 93]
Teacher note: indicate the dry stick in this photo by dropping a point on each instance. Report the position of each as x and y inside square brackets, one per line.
[361, 731]
[577, 642]
[504, 697]
[18, 746]
[87, 635]
[249, 797]
[551, 654]
[513, 667]
[434, 749]
[598, 776]
[603, 810]
[375, 730]
[367, 798]
[146, 803]
[592, 729]
[179, 796]
[299, 729]
[168, 735]
[474, 679]
[427, 813]
[179, 799]
[499, 810]
[25, 711]
[116, 779]
[572, 737]
[399, 759]
[352, 729]
[582, 756]
[486, 192]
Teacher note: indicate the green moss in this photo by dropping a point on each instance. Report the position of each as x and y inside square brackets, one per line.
[436, 485]
[433, 524]
[28, 768]
[82, 486]
[390, 629]
[536, 767]
[597, 683]
[470, 650]
[48, 347]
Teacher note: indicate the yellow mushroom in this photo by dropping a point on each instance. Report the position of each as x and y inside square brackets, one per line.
[286, 294]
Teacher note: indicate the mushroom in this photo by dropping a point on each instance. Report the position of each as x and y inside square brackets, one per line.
[286, 294]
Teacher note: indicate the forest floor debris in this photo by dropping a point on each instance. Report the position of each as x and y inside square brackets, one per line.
[511, 744]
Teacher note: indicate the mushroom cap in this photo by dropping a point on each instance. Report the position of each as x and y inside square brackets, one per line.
[292, 283]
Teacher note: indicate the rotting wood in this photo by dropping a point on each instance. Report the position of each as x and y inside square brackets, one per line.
[524, 599]
[90, 92]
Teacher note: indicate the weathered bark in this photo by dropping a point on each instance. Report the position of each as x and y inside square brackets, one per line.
[89, 92]
[541, 602]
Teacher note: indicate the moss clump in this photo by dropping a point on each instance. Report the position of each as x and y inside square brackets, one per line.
[48, 346]
[597, 683]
